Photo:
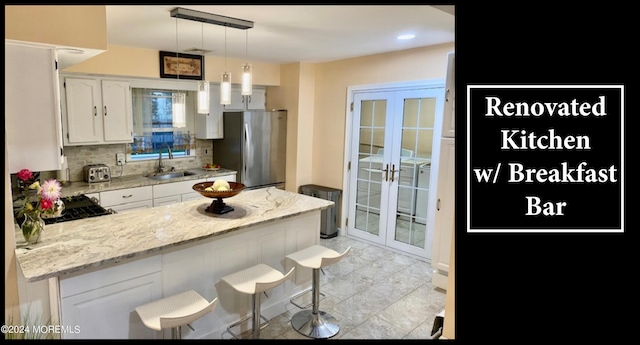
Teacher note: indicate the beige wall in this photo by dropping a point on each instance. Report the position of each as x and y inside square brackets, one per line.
[145, 63]
[74, 26]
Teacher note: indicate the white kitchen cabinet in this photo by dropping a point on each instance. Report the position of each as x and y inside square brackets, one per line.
[444, 216]
[255, 101]
[210, 126]
[128, 199]
[230, 178]
[107, 311]
[32, 108]
[97, 111]
[449, 116]
[175, 192]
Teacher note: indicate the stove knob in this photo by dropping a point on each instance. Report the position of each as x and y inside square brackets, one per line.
[105, 176]
[92, 177]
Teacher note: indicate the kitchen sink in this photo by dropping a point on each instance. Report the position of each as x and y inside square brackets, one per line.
[170, 175]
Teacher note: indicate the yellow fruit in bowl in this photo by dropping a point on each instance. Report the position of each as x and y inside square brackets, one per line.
[222, 189]
[208, 189]
[217, 184]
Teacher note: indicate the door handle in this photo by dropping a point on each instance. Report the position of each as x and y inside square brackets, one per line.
[247, 141]
[386, 173]
[393, 171]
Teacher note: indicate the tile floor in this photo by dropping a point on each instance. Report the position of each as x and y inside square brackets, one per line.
[374, 293]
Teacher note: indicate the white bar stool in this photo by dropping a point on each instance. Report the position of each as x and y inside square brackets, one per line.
[175, 311]
[315, 323]
[254, 281]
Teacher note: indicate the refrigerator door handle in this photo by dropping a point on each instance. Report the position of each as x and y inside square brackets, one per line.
[247, 140]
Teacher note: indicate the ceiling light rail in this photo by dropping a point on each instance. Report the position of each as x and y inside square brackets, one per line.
[210, 18]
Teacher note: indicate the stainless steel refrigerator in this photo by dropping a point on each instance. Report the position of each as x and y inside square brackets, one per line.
[254, 145]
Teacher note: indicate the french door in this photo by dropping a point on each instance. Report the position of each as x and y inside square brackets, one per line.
[391, 145]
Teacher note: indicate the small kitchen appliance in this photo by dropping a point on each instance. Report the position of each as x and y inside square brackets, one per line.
[97, 173]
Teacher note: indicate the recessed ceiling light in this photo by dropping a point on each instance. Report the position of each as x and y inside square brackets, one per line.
[406, 36]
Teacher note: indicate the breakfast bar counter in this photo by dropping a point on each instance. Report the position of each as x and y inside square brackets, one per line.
[88, 243]
[98, 269]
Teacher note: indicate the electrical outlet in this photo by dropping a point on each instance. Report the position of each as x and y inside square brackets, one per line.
[120, 158]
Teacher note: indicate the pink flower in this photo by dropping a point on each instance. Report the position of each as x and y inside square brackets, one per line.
[46, 204]
[25, 174]
[51, 190]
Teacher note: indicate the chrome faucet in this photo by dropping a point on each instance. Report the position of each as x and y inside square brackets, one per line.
[160, 166]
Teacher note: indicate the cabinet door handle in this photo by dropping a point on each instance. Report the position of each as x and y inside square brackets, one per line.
[95, 111]
[105, 110]
[438, 205]
[446, 96]
[249, 98]
[127, 196]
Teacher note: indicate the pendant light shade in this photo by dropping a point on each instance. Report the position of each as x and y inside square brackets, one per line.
[246, 69]
[178, 99]
[203, 97]
[203, 87]
[178, 109]
[225, 88]
[225, 82]
[246, 80]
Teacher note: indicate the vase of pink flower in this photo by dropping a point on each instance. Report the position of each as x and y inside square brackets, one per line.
[47, 204]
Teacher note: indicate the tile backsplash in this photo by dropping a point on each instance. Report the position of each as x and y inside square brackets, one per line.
[79, 156]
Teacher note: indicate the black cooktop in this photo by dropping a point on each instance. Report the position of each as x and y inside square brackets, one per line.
[78, 207]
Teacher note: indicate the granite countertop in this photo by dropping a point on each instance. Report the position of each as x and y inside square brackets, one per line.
[92, 242]
[77, 188]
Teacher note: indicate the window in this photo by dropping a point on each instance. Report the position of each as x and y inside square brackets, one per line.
[153, 124]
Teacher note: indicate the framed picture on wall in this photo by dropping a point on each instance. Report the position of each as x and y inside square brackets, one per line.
[181, 66]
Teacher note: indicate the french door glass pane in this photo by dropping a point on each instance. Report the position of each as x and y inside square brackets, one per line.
[369, 180]
[416, 146]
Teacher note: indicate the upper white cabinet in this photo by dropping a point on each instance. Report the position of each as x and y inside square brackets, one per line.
[449, 118]
[98, 111]
[32, 108]
[210, 126]
[255, 101]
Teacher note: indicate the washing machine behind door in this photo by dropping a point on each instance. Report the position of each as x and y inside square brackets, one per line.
[422, 194]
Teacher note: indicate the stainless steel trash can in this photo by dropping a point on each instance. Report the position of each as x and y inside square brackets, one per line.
[329, 217]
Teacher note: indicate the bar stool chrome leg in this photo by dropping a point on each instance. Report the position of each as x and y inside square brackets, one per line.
[315, 323]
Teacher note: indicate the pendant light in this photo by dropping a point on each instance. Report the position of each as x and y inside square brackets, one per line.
[178, 99]
[246, 69]
[203, 87]
[225, 83]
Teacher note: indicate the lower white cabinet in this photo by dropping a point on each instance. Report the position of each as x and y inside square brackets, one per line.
[175, 192]
[230, 178]
[128, 199]
[101, 304]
